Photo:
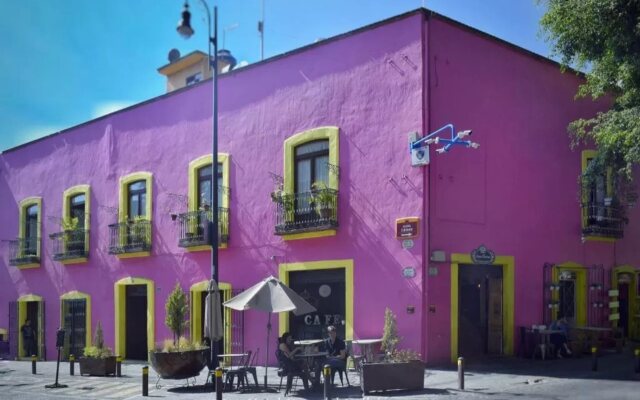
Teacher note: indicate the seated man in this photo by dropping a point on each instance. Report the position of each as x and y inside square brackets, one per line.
[559, 340]
[336, 349]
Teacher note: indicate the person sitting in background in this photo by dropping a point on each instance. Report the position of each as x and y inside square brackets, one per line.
[336, 349]
[559, 340]
[286, 353]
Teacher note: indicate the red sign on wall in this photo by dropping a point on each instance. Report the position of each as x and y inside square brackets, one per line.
[407, 228]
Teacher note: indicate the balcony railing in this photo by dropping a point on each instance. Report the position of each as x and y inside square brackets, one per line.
[130, 237]
[69, 244]
[193, 227]
[23, 251]
[601, 220]
[306, 212]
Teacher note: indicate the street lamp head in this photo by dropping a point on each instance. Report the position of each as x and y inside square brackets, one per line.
[184, 25]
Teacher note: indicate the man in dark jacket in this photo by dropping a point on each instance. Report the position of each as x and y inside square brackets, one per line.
[28, 339]
[336, 349]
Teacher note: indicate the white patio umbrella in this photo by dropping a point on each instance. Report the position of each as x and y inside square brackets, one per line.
[212, 317]
[272, 296]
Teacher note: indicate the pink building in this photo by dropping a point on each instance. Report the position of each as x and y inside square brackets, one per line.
[316, 179]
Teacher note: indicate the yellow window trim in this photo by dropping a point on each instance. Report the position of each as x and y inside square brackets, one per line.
[581, 290]
[24, 204]
[22, 315]
[326, 132]
[28, 266]
[587, 155]
[75, 295]
[309, 235]
[137, 254]
[74, 261]
[204, 247]
[196, 292]
[119, 289]
[123, 202]
[508, 300]
[347, 265]
[66, 214]
[194, 166]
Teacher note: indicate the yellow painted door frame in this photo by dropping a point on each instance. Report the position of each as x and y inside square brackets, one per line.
[507, 263]
[196, 292]
[22, 315]
[347, 265]
[633, 316]
[580, 291]
[75, 295]
[120, 295]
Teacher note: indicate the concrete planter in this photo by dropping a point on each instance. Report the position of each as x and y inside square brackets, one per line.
[179, 365]
[392, 376]
[97, 366]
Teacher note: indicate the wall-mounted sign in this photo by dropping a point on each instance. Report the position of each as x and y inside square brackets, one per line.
[482, 255]
[407, 228]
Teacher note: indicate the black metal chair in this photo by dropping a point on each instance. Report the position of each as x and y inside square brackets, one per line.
[240, 372]
[285, 370]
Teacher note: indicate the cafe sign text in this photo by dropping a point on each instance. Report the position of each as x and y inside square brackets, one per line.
[407, 228]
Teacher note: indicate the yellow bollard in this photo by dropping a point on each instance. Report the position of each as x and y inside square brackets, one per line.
[34, 358]
[145, 381]
[218, 374]
[72, 361]
[118, 366]
[594, 358]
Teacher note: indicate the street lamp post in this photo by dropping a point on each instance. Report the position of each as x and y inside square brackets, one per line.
[185, 29]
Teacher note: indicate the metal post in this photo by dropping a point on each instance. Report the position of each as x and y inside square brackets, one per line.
[594, 358]
[145, 381]
[218, 383]
[326, 372]
[33, 363]
[461, 373]
[118, 366]
[636, 353]
[72, 362]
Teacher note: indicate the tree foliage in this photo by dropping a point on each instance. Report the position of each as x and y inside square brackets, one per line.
[176, 309]
[603, 37]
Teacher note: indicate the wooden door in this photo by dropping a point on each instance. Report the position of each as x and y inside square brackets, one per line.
[494, 315]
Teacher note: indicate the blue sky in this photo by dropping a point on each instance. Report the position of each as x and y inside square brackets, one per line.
[65, 62]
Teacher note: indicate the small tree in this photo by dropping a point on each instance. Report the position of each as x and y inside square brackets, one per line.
[176, 309]
[97, 350]
[390, 337]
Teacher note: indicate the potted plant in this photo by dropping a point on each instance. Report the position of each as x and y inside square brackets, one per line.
[322, 198]
[138, 232]
[398, 370]
[98, 359]
[285, 202]
[178, 358]
[72, 238]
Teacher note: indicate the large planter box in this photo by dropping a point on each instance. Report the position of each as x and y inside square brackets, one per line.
[98, 366]
[179, 365]
[392, 376]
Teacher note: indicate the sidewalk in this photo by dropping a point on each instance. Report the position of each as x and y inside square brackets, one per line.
[500, 378]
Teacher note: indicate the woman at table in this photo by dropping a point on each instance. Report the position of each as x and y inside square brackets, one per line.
[559, 340]
[286, 357]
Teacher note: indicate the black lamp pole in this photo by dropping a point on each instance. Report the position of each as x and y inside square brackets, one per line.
[184, 28]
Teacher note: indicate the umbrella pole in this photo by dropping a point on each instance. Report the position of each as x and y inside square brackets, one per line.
[266, 362]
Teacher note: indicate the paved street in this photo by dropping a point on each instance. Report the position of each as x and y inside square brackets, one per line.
[507, 378]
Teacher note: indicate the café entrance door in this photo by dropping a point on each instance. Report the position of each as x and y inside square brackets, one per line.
[480, 317]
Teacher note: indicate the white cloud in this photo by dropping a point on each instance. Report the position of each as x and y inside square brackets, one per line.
[108, 107]
[35, 132]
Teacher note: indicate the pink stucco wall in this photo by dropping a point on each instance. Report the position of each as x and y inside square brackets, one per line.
[518, 194]
[369, 84]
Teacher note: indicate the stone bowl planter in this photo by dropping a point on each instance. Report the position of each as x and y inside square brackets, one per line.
[392, 376]
[179, 365]
[97, 366]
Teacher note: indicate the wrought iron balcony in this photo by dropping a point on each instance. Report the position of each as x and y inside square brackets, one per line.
[193, 227]
[130, 237]
[603, 221]
[306, 212]
[23, 251]
[69, 244]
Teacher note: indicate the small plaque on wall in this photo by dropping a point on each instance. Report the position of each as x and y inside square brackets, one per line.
[407, 228]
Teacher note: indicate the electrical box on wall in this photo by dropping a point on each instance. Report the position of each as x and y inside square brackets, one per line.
[419, 156]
